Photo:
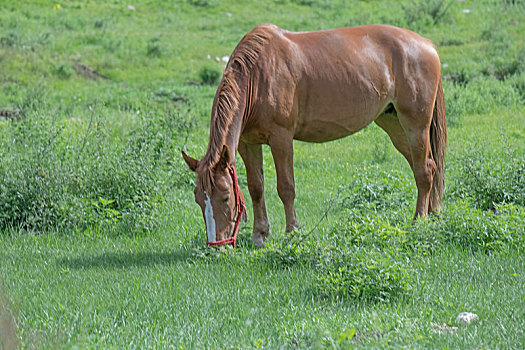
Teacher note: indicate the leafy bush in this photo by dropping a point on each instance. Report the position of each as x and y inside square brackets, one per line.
[64, 70]
[153, 48]
[210, 75]
[504, 56]
[364, 274]
[30, 188]
[284, 254]
[311, 3]
[477, 97]
[370, 253]
[518, 83]
[422, 13]
[471, 228]
[373, 189]
[9, 40]
[371, 231]
[365, 258]
[462, 75]
[345, 269]
[489, 180]
[54, 179]
[202, 3]
[371, 259]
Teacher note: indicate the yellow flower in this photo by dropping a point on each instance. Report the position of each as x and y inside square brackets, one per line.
[56, 7]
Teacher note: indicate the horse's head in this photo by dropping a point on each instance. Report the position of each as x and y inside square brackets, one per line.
[219, 196]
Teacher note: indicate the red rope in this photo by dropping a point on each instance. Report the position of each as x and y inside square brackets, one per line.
[239, 204]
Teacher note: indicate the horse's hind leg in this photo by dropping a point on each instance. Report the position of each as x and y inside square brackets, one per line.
[253, 161]
[417, 125]
[390, 124]
[281, 144]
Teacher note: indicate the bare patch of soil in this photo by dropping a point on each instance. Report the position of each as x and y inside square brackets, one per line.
[87, 72]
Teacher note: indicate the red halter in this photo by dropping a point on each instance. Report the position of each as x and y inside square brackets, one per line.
[239, 204]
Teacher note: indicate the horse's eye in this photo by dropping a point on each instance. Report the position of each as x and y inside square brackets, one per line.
[225, 200]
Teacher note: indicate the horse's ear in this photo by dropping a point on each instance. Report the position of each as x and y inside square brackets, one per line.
[192, 163]
[224, 161]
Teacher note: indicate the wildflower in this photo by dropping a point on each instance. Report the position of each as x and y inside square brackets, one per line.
[57, 7]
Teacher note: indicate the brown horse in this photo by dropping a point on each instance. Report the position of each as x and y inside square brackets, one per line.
[316, 87]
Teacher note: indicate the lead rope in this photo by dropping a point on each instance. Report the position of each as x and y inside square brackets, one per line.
[299, 238]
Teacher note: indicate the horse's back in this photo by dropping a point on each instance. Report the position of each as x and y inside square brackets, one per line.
[359, 57]
[332, 83]
[361, 43]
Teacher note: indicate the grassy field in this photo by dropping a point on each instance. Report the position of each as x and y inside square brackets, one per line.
[102, 245]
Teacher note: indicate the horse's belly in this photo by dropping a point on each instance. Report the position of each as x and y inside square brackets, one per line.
[320, 130]
[333, 117]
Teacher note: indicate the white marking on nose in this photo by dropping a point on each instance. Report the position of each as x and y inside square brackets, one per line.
[210, 221]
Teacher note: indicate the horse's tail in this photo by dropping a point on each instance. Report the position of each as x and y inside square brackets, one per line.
[438, 143]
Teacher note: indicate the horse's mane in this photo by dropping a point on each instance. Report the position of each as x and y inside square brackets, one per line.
[228, 96]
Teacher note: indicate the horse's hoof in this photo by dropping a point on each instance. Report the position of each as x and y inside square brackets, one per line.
[258, 242]
[292, 228]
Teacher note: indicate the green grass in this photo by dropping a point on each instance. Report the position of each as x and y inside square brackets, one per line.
[102, 245]
[149, 292]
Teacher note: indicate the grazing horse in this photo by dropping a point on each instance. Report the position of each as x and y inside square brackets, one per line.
[318, 86]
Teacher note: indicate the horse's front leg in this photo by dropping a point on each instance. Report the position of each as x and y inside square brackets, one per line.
[253, 161]
[281, 143]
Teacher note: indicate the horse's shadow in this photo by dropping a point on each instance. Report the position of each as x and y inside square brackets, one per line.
[122, 260]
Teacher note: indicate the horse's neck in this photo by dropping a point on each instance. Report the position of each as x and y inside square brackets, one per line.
[233, 136]
[230, 136]
[227, 116]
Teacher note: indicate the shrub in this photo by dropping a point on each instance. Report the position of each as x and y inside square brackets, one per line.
[209, 75]
[32, 176]
[422, 13]
[311, 3]
[64, 70]
[52, 179]
[504, 58]
[153, 48]
[471, 228]
[477, 97]
[348, 266]
[372, 232]
[490, 180]
[518, 83]
[364, 274]
[202, 3]
[373, 189]
[9, 40]
[364, 258]
[461, 76]
[285, 254]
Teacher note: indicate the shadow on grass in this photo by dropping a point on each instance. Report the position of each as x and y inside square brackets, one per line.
[8, 328]
[123, 260]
